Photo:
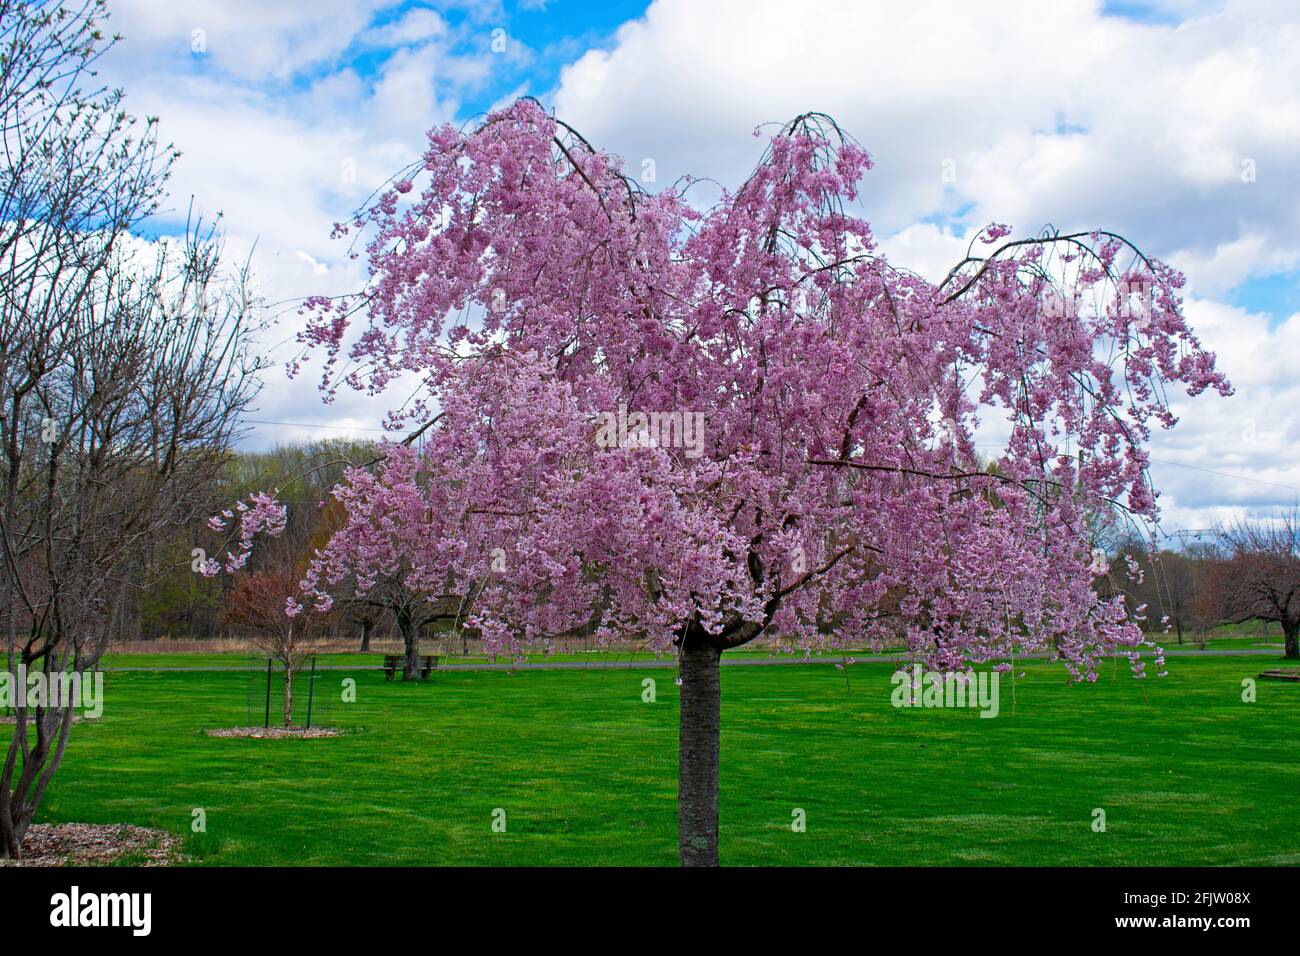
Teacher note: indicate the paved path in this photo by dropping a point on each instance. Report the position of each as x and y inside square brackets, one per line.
[545, 665]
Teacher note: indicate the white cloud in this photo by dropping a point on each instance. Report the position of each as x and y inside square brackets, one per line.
[317, 268]
[250, 39]
[418, 25]
[1051, 113]
[1253, 434]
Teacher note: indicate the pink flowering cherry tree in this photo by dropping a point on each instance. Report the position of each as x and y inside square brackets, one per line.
[396, 548]
[698, 427]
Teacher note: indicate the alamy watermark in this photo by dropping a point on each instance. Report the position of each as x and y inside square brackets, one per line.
[84, 692]
[946, 689]
[624, 429]
[77, 909]
[1133, 299]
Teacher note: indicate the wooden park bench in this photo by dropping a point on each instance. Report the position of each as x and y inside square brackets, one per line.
[1282, 674]
[395, 663]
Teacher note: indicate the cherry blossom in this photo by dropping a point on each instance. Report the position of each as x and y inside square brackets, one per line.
[535, 288]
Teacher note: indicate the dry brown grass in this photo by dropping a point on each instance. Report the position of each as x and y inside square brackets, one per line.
[170, 646]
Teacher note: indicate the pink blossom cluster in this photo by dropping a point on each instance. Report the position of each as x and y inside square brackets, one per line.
[260, 514]
[839, 497]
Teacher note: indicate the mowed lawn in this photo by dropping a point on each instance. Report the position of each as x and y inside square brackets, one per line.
[1186, 772]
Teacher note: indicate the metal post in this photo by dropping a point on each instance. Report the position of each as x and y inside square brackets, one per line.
[311, 689]
[268, 693]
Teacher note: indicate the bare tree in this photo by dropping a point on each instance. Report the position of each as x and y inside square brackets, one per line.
[1258, 576]
[123, 369]
[115, 431]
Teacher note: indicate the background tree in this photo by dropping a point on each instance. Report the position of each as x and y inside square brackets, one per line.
[1257, 576]
[1164, 584]
[541, 296]
[350, 603]
[259, 608]
[394, 537]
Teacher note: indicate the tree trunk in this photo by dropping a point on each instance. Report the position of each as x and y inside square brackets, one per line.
[16, 812]
[10, 842]
[1292, 640]
[411, 638]
[21, 792]
[288, 694]
[365, 637]
[698, 745]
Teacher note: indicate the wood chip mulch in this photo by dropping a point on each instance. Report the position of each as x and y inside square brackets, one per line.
[273, 733]
[97, 844]
[31, 720]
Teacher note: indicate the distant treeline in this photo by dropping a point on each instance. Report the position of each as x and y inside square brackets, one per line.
[176, 601]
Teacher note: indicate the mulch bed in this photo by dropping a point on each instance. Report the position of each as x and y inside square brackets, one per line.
[97, 844]
[31, 720]
[274, 733]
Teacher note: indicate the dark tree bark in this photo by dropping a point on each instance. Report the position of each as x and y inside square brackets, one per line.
[1291, 630]
[699, 734]
[11, 830]
[288, 693]
[10, 844]
[411, 639]
[365, 637]
[699, 745]
[19, 802]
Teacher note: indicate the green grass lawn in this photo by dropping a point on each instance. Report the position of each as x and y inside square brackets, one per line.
[585, 771]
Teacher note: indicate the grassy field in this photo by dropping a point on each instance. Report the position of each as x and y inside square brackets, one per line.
[1254, 635]
[585, 771]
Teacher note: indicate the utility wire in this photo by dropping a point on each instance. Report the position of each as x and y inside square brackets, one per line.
[357, 428]
[1226, 474]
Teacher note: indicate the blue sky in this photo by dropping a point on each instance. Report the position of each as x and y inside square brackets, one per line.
[1164, 14]
[1175, 122]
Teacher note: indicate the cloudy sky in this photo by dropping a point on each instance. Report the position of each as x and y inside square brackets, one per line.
[1174, 122]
